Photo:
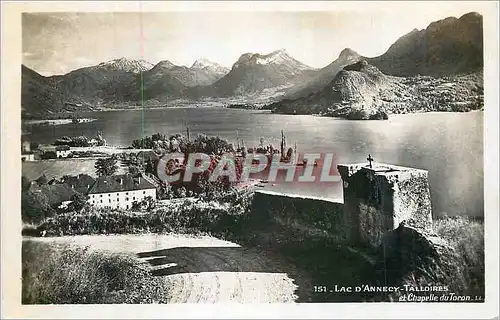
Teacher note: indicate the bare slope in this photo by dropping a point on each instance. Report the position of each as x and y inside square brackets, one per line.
[446, 47]
[324, 75]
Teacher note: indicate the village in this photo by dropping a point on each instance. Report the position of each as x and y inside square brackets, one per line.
[127, 177]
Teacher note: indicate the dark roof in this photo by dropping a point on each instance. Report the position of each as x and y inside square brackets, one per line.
[55, 193]
[118, 183]
[80, 183]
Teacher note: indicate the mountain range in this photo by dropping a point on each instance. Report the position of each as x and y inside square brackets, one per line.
[448, 47]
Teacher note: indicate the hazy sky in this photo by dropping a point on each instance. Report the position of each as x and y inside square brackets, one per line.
[56, 43]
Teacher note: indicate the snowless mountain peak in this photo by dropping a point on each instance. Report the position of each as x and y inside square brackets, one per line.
[165, 64]
[348, 53]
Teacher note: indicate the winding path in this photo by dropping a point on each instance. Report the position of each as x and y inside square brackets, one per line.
[202, 269]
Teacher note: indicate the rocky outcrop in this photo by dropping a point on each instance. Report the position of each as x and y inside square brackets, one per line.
[411, 259]
[324, 75]
[354, 94]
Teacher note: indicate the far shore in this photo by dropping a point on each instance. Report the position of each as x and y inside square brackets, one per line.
[56, 122]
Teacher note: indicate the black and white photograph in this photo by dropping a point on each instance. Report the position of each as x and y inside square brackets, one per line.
[254, 156]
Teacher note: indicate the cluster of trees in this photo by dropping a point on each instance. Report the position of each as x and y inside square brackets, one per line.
[150, 142]
[80, 141]
[206, 144]
[147, 203]
[184, 216]
[179, 143]
[36, 207]
[48, 155]
[106, 166]
[137, 162]
[200, 184]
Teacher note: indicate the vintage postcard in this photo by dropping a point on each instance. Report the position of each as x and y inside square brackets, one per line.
[249, 159]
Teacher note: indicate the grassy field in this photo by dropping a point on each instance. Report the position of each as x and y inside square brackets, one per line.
[60, 167]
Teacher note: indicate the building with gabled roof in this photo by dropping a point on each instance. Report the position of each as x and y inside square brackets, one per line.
[58, 195]
[81, 183]
[120, 191]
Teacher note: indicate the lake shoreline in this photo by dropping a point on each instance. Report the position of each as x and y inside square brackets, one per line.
[216, 105]
[56, 122]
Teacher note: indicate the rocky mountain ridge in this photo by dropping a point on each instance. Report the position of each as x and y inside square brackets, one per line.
[451, 48]
[254, 72]
[446, 47]
[360, 91]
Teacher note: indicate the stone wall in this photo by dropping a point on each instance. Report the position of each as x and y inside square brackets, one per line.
[304, 214]
[413, 202]
[377, 200]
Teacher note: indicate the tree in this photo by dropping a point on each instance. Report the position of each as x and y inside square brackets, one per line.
[150, 166]
[81, 141]
[34, 145]
[106, 166]
[180, 192]
[133, 170]
[149, 203]
[165, 191]
[35, 207]
[136, 206]
[78, 202]
[48, 155]
[25, 183]
[42, 180]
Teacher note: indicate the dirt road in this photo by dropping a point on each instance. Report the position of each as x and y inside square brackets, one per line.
[202, 269]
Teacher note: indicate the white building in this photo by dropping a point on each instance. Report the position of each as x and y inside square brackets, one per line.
[26, 154]
[120, 191]
[63, 151]
[27, 157]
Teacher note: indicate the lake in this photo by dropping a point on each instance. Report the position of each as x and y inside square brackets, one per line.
[448, 145]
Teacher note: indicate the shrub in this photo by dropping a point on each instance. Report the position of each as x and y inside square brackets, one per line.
[421, 260]
[78, 202]
[182, 216]
[466, 236]
[69, 275]
[106, 166]
[35, 207]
